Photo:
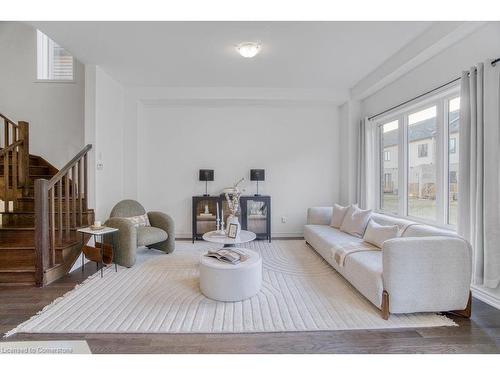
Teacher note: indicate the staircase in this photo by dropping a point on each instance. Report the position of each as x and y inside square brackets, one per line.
[40, 209]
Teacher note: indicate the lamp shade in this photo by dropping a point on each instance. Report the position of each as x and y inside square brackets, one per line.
[206, 175]
[257, 175]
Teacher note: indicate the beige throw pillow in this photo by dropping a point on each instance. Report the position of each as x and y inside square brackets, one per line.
[338, 215]
[355, 221]
[376, 234]
[139, 221]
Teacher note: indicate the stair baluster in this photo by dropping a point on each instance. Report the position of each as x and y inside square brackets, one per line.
[16, 161]
[45, 225]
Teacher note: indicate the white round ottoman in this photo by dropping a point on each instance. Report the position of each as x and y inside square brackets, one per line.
[227, 282]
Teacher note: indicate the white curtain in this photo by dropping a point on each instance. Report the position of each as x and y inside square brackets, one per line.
[478, 177]
[367, 166]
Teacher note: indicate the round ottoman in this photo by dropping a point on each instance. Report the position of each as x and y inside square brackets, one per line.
[231, 282]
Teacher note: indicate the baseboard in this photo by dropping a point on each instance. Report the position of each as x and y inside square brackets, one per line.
[484, 296]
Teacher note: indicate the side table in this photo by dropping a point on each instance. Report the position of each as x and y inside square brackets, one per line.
[96, 253]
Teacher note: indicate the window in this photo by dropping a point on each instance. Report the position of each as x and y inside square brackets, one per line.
[422, 150]
[389, 186]
[419, 160]
[422, 130]
[453, 108]
[54, 63]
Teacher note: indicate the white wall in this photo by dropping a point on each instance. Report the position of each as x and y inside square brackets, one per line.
[297, 144]
[104, 127]
[55, 111]
[349, 128]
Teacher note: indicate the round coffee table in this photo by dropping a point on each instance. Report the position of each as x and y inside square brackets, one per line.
[231, 282]
[243, 237]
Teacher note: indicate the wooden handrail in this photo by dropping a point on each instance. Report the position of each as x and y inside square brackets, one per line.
[9, 120]
[64, 170]
[59, 206]
[11, 147]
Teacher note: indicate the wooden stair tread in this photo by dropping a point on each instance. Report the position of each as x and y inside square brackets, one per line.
[18, 270]
[4, 227]
[17, 242]
[33, 212]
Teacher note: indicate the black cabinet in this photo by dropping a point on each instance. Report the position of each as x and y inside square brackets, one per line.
[254, 215]
[204, 215]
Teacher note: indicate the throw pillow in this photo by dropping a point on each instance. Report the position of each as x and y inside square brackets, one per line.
[355, 221]
[139, 221]
[376, 234]
[338, 215]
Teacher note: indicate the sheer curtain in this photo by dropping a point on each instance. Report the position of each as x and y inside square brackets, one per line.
[478, 177]
[367, 182]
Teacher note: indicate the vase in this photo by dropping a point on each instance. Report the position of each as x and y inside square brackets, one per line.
[231, 219]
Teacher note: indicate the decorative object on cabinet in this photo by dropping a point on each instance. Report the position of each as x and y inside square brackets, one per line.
[233, 203]
[257, 175]
[206, 175]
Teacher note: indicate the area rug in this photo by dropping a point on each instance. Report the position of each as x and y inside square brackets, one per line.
[160, 294]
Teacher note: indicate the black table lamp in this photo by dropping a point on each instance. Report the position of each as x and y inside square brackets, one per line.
[257, 175]
[206, 175]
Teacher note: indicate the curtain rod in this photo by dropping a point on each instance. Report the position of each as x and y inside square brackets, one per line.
[493, 63]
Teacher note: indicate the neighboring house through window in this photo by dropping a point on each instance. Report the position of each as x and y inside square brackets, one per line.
[453, 145]
[423, 150]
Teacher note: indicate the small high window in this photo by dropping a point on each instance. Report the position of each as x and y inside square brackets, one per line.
[54, 63]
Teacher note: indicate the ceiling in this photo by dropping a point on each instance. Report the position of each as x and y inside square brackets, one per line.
[300, 55]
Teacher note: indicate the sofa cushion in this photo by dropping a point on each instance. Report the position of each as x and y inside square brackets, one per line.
[150, 235]
[338, 215]
[325, 240]
[376, 234]
[355, 221]
[364, 271]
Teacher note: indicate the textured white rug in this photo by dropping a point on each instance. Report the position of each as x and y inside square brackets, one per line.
[160, 294]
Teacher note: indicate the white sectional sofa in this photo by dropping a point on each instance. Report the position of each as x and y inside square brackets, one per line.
[424, 269]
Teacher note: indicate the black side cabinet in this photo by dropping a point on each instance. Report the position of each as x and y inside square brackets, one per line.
[254, 215]
[204, 215]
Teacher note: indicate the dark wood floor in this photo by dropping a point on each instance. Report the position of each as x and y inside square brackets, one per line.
[481, 334]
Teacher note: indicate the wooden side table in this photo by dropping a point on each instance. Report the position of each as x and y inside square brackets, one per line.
[99, 254]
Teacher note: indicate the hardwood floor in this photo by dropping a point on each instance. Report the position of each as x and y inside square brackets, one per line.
[481, 334]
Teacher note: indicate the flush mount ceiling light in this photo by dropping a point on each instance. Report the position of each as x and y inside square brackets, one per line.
[248, 49]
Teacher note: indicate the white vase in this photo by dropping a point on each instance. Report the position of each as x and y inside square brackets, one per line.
[231, 219]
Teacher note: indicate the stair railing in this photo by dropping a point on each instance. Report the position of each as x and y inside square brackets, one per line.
[15, 153]
[60, 204]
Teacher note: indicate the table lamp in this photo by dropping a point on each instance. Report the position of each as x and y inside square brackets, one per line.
[257, 175]
[206, 175]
